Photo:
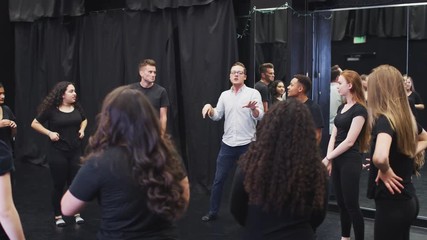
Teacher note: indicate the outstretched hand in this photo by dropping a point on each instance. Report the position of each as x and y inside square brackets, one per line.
[206, 110]
[390, 180]
[251, 105]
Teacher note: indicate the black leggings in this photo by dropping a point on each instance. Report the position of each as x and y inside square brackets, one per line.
[63, 168]
[393, 218]
[346, 171]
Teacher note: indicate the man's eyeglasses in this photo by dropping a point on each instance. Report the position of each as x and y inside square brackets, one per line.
[237, 72]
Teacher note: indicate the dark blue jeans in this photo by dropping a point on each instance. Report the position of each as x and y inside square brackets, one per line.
[226, 162]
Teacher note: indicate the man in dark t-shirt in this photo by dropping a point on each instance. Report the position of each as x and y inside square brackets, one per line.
[155, 93]
[266, 70]
[299, 87]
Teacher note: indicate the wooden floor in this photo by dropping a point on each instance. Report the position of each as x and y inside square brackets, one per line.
[32, 197]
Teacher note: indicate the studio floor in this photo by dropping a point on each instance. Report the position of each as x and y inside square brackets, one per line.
[32, 198]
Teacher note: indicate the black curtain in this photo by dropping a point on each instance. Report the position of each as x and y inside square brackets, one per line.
[271, 41]
[30, 10]
[380, 22]
[194, 48]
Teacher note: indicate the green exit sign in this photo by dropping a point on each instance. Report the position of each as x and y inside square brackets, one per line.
[359, 40]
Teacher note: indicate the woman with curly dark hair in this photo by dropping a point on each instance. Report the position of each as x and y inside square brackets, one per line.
[279, 190]
[65, 124]
[277, 91]
[133, 170]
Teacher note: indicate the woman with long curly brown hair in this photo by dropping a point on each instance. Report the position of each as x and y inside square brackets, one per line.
[64, 124]
[279, 190]
[397, 147]
[349, 139]
[133, 170]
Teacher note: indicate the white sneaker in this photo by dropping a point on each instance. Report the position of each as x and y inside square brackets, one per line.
[60, 222]
[79, 220]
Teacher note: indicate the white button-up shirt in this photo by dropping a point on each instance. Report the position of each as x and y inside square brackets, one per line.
[239, 123]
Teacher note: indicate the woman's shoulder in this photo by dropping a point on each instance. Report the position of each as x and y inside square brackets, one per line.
[360, 109]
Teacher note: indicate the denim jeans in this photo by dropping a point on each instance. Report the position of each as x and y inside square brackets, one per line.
[225, 162]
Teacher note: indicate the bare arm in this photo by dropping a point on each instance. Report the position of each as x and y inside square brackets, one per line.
[186, 193]
[83, 126]
[381, 160]
[71, 205]
[265, 104]
[326, 161]
[9, 218]
[54, 136]
[419, 106]
[353, 133]
[318, 135]
[422, 141]
[163, 118]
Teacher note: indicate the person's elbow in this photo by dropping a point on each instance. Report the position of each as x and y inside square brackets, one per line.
[70, 205]
[34, 123]
[379, 159]
[350, 143]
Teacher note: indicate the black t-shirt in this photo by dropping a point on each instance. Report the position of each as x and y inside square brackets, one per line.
[414, 98]
[6, 161]
[124, 211]
[6, 132]
[266, 225]
[156, 94]
[66, 124]
[402, 165]
[315, 112]
[343, 122]
[264, 91]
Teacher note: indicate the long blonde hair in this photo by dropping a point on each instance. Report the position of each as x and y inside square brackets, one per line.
[387, 96]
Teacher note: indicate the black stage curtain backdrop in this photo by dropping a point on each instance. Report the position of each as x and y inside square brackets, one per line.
[380, 22]
[28, 11]
[271, 41]
[194, 48]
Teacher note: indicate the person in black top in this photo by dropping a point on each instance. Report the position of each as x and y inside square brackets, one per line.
[414, 98]
[277, 91]
[349, 139]
[266, 71]
[155, 93]
[397, 150]
[10, 223]
[7, 120]
[280, 187]
[298, 88]
[133, 170]
[65, 127]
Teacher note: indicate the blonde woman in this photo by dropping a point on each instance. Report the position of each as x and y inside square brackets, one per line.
[397, 143]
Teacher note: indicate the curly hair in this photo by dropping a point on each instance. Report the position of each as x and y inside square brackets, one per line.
[273, 90]
[283, 167]
[54, 97]
[128, 120]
